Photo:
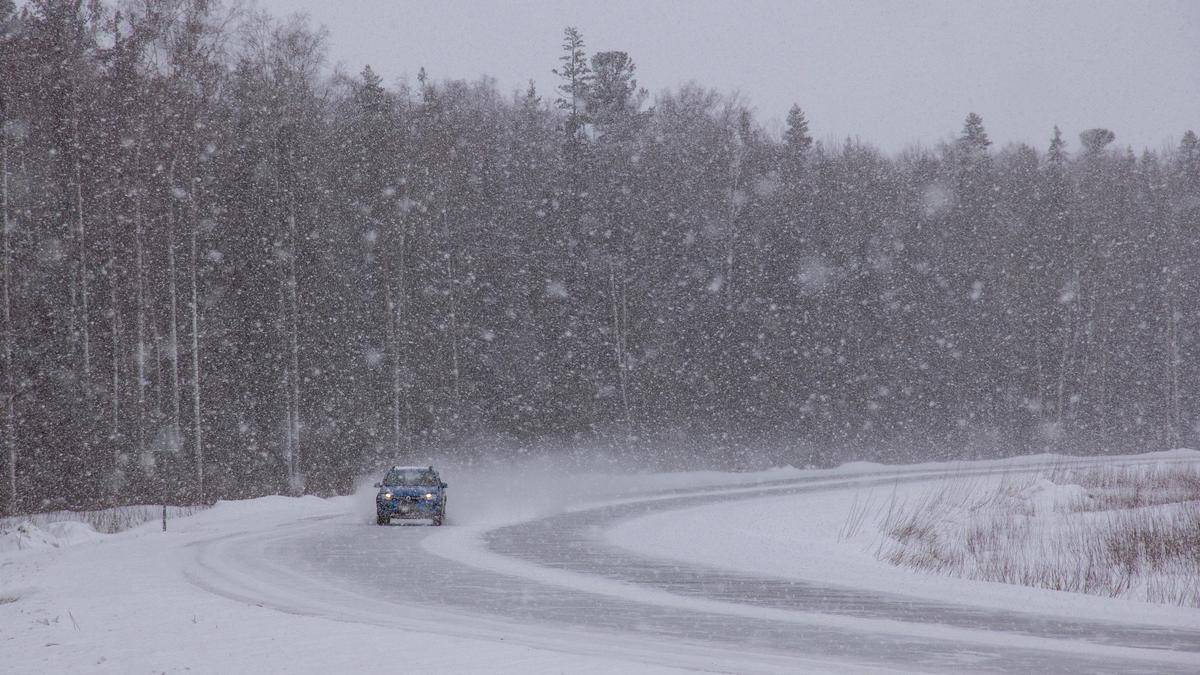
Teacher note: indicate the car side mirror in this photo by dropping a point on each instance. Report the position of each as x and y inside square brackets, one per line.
[379, 485]
[444, 485]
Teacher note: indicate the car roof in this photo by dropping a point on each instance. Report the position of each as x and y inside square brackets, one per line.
[412, 468]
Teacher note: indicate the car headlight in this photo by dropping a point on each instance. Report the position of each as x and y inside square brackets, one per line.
[429, 495]
[387, 495]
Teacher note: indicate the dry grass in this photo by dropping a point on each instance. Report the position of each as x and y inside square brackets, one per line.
[1129, 487]
[1126, 531]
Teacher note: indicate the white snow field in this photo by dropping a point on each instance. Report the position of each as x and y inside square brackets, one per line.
[542, 571]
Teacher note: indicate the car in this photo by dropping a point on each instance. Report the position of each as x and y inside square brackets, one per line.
[410, 492]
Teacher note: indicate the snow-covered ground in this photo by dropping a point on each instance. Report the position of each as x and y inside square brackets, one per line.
[834, 537]
[536, 573]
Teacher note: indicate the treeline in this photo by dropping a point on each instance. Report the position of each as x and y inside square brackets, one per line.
[227, 274]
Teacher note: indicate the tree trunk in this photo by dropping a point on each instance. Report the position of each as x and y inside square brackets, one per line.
[394, 353]
[1100, 409]
[296, 468]
[140, 319]
[1172, 366]
[402, 342]
[396, 315]
[77, 194]
[157, 341]
[174, 337]
[450, 284]
[730, 247]
[289, 444]
[10, 445]
[195, 308]
[115, 430]
[619, 318]
[1066, 357]
[1039, 377]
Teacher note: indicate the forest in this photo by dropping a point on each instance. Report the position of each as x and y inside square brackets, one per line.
[231, 270]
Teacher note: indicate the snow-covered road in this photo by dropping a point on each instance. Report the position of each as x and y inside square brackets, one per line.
[548, 581]
[550, 587]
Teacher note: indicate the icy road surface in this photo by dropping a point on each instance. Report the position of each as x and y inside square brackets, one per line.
[556, 583]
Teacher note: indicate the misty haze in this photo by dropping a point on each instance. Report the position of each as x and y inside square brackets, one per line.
[329, 348]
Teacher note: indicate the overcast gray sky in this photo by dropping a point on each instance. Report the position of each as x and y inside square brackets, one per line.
[891, 73]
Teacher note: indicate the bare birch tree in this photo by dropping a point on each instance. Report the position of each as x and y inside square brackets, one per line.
[198, 422]
[10, 393]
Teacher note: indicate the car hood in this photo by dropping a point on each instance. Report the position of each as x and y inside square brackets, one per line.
[410, 491]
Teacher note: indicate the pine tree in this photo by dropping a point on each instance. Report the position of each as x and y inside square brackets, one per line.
[796, 144]
[576, 83]
[1056, 155]
[974, 138]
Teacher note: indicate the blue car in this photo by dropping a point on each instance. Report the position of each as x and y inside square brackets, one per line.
[410, 492]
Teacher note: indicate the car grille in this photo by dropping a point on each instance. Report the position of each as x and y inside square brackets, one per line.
[399, 500]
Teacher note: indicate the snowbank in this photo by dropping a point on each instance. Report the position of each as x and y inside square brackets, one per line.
[27, 536]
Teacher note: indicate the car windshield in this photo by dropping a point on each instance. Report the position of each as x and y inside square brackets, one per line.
[412, 477]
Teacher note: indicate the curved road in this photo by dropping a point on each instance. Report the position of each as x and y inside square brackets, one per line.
[553, 583]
